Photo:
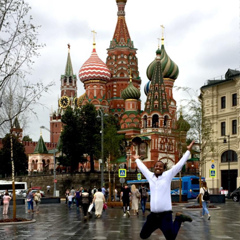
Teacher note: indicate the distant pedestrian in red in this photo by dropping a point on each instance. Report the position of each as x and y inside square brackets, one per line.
[6, 200]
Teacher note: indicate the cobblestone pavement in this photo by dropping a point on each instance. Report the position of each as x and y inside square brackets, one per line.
[56, 222]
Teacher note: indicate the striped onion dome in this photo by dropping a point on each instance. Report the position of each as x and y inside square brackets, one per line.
[94, 69]
[131, 92]
[169, 67]
[147, 87]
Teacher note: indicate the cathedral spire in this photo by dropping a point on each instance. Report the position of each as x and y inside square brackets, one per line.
[94, 42]
[156, 96]
[121, 35]
[69, 69]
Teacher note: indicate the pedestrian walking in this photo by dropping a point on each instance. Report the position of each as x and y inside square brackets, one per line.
[66, 195]
[37, 200]
[125, 197]
[78, 197]
[72, 192]
[6, 200]
[135, 196]
[160, 202]
[98, 200]
[70, 200]
[144, 197]
[30, 197]
[85, 203]
[204, 198]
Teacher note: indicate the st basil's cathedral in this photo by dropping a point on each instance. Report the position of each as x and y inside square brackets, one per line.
[114, 87]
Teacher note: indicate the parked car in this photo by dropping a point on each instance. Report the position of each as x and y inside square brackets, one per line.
[235, 195]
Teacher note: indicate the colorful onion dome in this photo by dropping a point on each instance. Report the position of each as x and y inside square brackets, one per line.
[131, 92]
[169, 67]
[94, 69]
[147, 87]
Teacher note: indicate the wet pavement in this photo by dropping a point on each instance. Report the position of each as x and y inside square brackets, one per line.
[57, 222]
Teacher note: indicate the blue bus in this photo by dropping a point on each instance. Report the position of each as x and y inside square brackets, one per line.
[189, 186]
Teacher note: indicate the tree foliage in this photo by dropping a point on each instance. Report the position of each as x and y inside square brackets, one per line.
[201, 128]
[82, 135]
[18, 40]
[113, 142]
[71, 139]
[27, 139]
[18, 48]
[19, 157]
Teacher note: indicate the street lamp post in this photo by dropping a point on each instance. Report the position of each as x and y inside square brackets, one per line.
[228, 156]
[102, 138]
[54, 166]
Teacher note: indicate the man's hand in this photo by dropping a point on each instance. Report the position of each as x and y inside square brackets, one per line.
[189, 147]
[136, 157]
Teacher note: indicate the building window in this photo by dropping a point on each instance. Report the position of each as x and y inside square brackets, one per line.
[223, 128]
[155, 121]
[232, 156]
[234, 126]
[165, 121]
[234, 99]
[223, 102]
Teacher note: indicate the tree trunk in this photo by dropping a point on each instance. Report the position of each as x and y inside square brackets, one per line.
[13, 179]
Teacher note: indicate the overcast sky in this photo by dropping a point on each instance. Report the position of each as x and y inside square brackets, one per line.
[201, 37]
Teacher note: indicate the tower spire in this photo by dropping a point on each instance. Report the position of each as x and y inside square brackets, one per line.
[94, 42]
[162, 34]
[69, 69]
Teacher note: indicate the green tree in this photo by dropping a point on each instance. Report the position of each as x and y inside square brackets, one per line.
[90, 132]
[201, 128]
[20, 158]
[27, 138]
[70, 145]
[112, 140]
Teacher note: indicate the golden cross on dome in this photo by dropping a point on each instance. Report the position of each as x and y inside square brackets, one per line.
[93, 31]
[162, 33]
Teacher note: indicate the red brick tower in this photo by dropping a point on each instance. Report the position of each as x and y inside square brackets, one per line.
[121, 58]
[68, 98]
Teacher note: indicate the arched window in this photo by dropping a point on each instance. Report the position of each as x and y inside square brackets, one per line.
[231, 157]
[155, 120]
[145, 121]
[165, 121]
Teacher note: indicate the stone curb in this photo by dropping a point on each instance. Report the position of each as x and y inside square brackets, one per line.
[16, 223]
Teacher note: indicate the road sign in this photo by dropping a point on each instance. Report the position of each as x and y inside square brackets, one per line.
[122, 172]
[139, 176]
[122, 180]
[212, 160]
[212, 166]
[212, 173]
[55, 180]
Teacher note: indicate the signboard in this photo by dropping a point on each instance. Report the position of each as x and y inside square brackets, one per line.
[122, 172]
[139, 176]
[212, 166]
[212, 173]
